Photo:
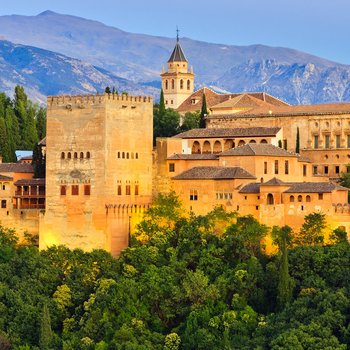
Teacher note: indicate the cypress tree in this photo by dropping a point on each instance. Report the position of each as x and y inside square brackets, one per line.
[204, 112]
[12, 131]
[46, 334]
[107, 90]
[20, 106]
[297, 143]
[285, 283]
[41, 123]
[4, 147]
[39, 162]
[161, 103]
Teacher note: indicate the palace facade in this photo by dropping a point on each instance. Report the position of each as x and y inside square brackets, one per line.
[102, 171]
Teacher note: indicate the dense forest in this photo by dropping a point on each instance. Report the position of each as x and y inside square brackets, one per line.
[186, 282]
[22, 124]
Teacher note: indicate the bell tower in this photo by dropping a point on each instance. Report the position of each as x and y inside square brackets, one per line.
[177, 82]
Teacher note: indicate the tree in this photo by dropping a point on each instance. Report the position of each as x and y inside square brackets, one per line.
[107, 90]
[165, 124]
[41, 123]
[46, 335]
[312, 231]
[204, 112]
[190, 121]
[297, 142]
[283, 237]
[39, 162]
[161, 110]
[4, 146]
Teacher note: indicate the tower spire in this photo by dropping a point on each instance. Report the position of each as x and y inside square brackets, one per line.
[177, 34]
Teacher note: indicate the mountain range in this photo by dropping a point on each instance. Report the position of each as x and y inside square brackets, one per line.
[54, 53]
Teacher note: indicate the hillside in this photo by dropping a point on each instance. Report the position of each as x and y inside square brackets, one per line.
[139, 58]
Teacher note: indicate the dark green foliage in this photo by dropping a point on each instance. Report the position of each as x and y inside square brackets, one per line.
[187, 282]
[204, 112]
[165, 124]
[22, 124]
[39, 162]
[190, 121]
[312, 231]
[107, 90]
[297, 141]
[161, 110]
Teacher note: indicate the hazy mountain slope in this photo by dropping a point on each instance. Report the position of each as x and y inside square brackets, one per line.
[140, 57]
[44, 73]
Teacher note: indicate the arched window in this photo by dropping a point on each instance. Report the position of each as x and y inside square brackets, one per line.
[196, 147]
[173, 84]
[166, 84]
[308, 198]
[300, 198]
[291, 199]
[270, 200]
[118, 154]
[75, 155]
[228, 144]
[88, 155]
[62, 155]
[252, 141]
[206, 147]
[136, 155]
[69, 155]
[81, 155]
[127, 155]
[123, 155]
[263, 141]
[181, 84]
[241, 143]
[217, 147]
[188, 85]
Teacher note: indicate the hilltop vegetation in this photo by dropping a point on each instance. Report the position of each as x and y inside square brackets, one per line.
[194, 282]
[22, 124]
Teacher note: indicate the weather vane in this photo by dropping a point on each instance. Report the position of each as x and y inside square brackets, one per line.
[177, 33]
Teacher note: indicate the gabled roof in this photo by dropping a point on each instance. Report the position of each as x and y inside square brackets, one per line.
[274, 182]
[214, 173]
[251, 188]
[258, 149]
[177, 54]
[16, 168]
[228, 132]
[243, 101]
[194, 156]
[314, 187]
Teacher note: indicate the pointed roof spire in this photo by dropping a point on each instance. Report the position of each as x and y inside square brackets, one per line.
[177, 55]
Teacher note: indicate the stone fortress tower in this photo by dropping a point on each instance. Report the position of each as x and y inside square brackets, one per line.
[177, 82]
[99, 170]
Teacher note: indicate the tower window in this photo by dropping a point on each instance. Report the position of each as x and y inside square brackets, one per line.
[171, 167]
[3, 203]
[265, 167]
[127, 190]
[75, 190]
[75, 155]
[62, 155]
[316, 141]
[119, 190]
[166, 85]
[88, 155]
[286, 167]
[63, 190]
[188, 84]
[81, 155]
[173, 84]
[69, 155]
[87, 190]
[276, 166]
[181, 84]
[337, 141]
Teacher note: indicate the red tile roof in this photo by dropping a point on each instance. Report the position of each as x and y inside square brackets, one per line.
[16, 168]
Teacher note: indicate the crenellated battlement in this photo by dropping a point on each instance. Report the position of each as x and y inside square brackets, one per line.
[82, 101]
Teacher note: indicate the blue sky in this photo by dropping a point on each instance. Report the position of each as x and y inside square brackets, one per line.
[319, 27]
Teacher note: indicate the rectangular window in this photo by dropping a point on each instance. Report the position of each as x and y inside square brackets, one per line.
[326, 169]
[193, 195]
[171, 167]
[348, 140]
[127, 190]
[119, 190]
[136, 190]
[3, 203]
[304, 170]
[63, 190]
[337, 169]
[314, 169]
[265, 167]
[326, 141]
[320, 196]
[4, 187]
[75, 190]
[87, 190]
[337, 141]
[316, 141]
[286, 167]
[276, 166]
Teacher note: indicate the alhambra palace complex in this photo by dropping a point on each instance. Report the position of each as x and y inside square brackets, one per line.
[102, 171]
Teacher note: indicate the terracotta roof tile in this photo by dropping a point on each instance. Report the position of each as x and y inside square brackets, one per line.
[251, 188]
[214, 173]
[30, 182]
[228, 132]
[16, 168]
[258, 149]
[5, 178]
[274, 182]
[314, 187]
[194, 156]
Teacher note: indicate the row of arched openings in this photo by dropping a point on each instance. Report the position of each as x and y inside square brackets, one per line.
[181, 84]
[127, 155]
[75, 155]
